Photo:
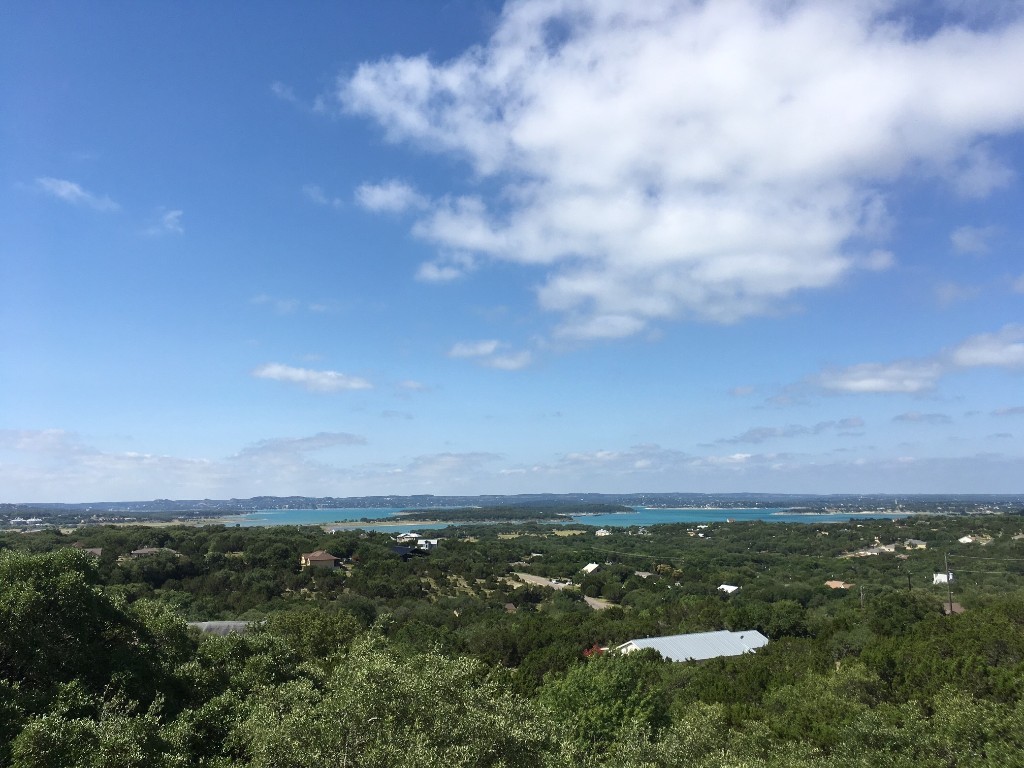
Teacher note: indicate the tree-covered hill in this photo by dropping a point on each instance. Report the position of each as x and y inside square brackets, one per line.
[448, 659]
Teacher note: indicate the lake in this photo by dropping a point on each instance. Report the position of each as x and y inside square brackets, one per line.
[384, 518]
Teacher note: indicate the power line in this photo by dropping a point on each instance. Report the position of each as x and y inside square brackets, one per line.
[979, 557]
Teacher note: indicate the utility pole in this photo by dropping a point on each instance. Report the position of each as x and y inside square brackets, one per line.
[949, 588]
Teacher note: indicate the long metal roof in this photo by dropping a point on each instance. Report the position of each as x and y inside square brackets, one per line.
[700, 645]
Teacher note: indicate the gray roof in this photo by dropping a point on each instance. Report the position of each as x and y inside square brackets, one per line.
[220, 627]
[701, 645]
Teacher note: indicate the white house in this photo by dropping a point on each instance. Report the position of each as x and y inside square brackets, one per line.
[727, 588]
[589, 567]
[602, 532]
[700, 645]
[427, 544]
[942, 578]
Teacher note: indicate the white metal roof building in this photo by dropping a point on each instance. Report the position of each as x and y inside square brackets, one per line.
[700, 645]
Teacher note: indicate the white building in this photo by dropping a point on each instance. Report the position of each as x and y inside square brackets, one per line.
[942, 578]
[589, 567]
[700, 645]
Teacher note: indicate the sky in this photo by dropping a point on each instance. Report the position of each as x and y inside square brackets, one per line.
[397, 247]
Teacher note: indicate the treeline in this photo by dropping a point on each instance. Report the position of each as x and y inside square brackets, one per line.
[515, 513]
[439, 660]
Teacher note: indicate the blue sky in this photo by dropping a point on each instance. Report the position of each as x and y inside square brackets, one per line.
[403, 247]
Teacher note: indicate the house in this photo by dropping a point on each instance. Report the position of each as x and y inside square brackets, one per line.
[727, 588]
[836, 584]
[915, 544]
[602, 532]
[966, 540]
[220, 627]
[94, 551]
[427, 544]
[319, 559]
[149, 551]
[590, 568]
[942, 578]
[700, 645]
[643, 574]
[406, 552]
[406, 538]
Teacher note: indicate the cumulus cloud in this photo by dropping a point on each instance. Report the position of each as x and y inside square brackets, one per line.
[474, 348]
[763, 434]
[446, 268]
[492, 353]
[168, 223]
[971, 240]
[907, 376]
[1003, 349]
[296, 445]
[316, 194]
[393, 195]
[313, 380]
[950, 293]
[510, 362]
[916, 417]
[668, 159]
[70, 192]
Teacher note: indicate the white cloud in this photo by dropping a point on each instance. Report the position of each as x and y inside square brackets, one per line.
[971, 240]
[511, 362]
[393, 195]
[916, 417]
[907, 376]
[762, 434]
[169, 223]
[1003, 349]
[665, 159]
[448, 267]
[474, 348]
[279, 305]
[1016, 410]
[492, 353]
[314, 381]
[70, 192]
[284, 92]
[316, 194]
[950, 293]
[297, 445]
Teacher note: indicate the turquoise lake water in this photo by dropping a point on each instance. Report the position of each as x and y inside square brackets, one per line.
[384, 519]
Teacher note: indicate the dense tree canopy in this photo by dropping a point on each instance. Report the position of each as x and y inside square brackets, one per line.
[449, 659]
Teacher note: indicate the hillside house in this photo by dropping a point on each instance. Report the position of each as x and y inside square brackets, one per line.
[150, 551]
[700, 645]
[319, 559]
[837, 584]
